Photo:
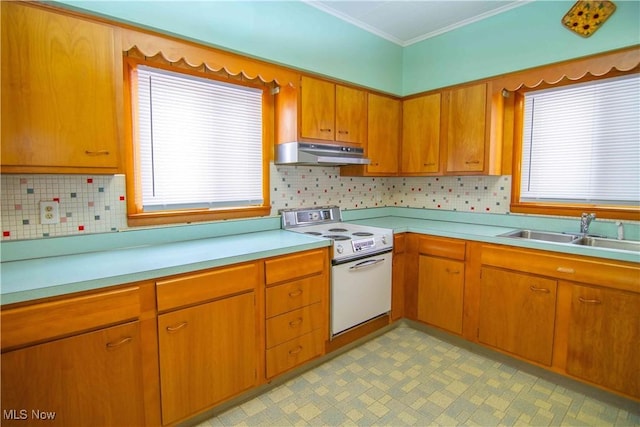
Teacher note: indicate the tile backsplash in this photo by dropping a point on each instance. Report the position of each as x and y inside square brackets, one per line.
[97, 203]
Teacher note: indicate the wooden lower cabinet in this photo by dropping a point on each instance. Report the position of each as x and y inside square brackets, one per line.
[604, 335]
[517, 313]
[207, 354]
[440, 292]
[92, 379]
[296, 311]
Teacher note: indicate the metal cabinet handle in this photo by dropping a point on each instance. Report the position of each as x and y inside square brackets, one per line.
[325, 129]
[176, 327]
[96, 152]
[589, 301]
[296, 350]
[536, 289]
[343, 131]
[295, 293]
[295, 323]
[472, 162]
[120, 342]
[452, 271]
[429, 164]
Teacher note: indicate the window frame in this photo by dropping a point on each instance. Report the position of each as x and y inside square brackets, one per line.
[136, 215]
[558, 208]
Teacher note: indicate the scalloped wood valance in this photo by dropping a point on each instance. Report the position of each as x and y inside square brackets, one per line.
[194, 56]
[575, 69]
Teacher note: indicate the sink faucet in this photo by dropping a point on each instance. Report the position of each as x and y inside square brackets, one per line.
[585, 221]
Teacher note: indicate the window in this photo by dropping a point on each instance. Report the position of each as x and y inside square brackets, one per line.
[581, 146]
[198, 147]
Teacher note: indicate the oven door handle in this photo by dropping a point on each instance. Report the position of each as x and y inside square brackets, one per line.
[367, 263]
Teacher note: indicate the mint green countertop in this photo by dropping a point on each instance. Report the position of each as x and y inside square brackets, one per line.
[36, 278]
[49, 267]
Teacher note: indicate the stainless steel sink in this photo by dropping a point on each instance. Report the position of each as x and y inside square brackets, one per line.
[545, 236]
[600, 242]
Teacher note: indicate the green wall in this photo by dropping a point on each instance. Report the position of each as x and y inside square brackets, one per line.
[285, 32]
[300, 36]
[518, 39]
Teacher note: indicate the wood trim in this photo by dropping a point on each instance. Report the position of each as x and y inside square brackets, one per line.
[574, 69]
[196, 56]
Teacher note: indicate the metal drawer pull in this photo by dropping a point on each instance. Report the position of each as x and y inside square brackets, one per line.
[295, 323]
[429, 164]
[177, 327]
[565, 270]
[365, 264]
[535, 289]
[472, 162]
[453, 271]
[119, 343]
[96, 153]
[343, 131]
[296, 350]
[295, 293]
[325, 129]
[589, 301]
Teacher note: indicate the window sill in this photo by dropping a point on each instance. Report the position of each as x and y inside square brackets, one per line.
[611, 212]
[198, 215]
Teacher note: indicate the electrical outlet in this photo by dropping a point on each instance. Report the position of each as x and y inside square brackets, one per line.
[49, 212]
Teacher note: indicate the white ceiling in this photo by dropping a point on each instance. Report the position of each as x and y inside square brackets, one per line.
[405, 22]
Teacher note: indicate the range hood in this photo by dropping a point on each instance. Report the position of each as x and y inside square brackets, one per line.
[312, 154]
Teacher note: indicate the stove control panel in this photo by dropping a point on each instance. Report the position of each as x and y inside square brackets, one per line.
[300, 217]
[361, 245]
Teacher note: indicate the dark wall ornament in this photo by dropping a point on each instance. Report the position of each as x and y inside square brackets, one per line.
[586, 16]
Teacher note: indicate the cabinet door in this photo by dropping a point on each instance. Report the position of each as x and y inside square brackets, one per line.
[93, 379]
[517, 313]
[351, 115]
[318, 109]
[604, 334]
[440, 292]
[383, 140]
[421, 135]
[58, 91]
[465, 130]
[207, 354]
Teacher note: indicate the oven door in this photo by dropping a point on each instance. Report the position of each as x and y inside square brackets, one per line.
[360, 291]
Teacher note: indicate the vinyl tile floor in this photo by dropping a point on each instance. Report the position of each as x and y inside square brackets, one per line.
[407, 377]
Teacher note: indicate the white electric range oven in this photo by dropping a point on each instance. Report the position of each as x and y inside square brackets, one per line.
[360, 264]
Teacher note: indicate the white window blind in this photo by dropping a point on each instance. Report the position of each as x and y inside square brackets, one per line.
[200, 142]
[581, 143]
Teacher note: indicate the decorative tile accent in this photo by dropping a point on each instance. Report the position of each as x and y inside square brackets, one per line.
[97, 204]
[88, 204]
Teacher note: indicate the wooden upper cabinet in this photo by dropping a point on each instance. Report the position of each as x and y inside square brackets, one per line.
[382, 147]
[59, 93]
[421, 135]
[465, 129]
[351, 115]
[332, 112]
[318, 109]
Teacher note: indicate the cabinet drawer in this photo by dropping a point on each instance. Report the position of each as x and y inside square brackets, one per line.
[293, 295]
[602, 272]
[292, 353]
[49, 320]
[293, 324]
[195, 288]
[442, 247]
[294, 266]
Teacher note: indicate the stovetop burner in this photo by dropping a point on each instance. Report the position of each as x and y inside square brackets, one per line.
[337, 237]
[349, 240]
